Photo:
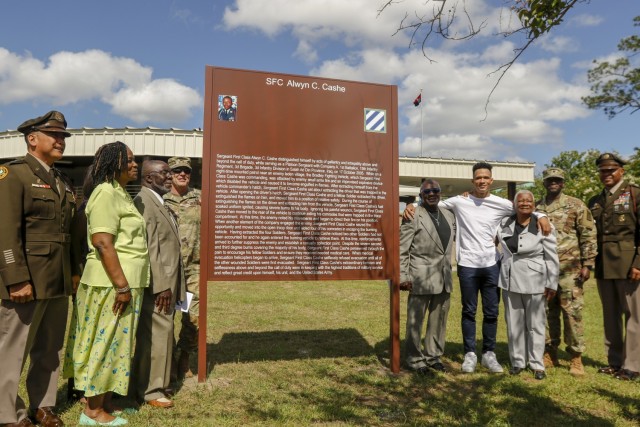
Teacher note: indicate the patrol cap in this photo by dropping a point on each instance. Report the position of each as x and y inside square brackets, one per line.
[53, 121]
[179, 162]
[608, 158]
[553, 173]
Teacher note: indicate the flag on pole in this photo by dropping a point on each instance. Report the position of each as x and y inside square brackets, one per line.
[418, 100]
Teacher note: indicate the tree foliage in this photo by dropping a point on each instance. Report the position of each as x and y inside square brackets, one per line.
[616, 85]
[445, 18]
[581, 174]
[540, 16]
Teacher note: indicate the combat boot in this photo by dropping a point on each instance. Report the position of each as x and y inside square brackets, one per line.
[551, 357]
[576, 368]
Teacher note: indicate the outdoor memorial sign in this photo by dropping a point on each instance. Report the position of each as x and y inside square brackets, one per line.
[300, 178]
[300, 182]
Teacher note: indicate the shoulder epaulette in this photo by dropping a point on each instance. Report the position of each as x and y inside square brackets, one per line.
[17, 161]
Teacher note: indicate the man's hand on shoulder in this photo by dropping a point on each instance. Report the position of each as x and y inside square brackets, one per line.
[544, 225]
[409, 212]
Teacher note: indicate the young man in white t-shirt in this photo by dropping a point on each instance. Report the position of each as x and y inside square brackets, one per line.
[478, 217]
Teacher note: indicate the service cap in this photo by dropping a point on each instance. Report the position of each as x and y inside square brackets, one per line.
[179, 162]
[53, 121]
[553, 173]
[609, 158]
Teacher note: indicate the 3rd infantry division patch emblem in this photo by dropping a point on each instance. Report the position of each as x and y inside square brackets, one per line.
[375, 120]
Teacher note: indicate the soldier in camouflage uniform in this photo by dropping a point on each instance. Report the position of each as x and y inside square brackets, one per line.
[185, 202]
[576, 235]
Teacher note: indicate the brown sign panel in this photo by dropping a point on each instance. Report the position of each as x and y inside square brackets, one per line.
[300, 178]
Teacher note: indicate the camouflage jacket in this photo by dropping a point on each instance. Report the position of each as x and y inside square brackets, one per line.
[187, 209]
[576, 232]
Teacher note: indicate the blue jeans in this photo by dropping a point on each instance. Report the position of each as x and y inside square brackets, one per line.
[484, 280]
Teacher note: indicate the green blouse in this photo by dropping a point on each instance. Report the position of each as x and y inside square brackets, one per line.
[110, 209]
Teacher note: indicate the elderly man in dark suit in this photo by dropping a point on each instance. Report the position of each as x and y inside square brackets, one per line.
[615, 211]
[155, 339]
[37, 271]
[425, 270]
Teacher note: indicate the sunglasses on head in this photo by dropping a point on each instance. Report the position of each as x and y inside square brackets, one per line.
[428, 191]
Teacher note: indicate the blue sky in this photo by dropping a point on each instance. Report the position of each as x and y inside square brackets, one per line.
[141, 63]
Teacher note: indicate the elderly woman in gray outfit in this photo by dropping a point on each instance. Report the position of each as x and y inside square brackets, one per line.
[528, 275]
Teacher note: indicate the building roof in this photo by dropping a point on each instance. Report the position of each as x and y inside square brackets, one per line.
[454, 175]
[142, 141]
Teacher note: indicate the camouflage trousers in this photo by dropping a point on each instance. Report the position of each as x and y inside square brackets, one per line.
[188, 337]
[568, 304]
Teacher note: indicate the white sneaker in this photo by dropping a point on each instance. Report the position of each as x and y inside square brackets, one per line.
[470, 362]
[490, 362]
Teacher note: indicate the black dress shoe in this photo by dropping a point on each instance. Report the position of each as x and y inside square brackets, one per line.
[609, 370]
[438, 366]
[423, 372]
[516, 370]
[539, 375]
[627, 375]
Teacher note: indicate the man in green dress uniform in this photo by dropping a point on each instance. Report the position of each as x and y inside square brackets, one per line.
[37, 271]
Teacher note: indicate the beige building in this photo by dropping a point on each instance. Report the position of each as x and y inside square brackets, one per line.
[144, 142]
[454, 175]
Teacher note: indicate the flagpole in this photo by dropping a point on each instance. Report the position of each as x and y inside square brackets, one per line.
[421, 124]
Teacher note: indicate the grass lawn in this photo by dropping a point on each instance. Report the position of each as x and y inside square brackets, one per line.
[304, 353]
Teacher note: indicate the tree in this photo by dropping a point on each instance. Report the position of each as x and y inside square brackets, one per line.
[581, 174]
[440, 18]
[616, 85]
[632, 169]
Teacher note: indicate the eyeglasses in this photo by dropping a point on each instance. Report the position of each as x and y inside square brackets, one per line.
[178, 171]
[428, 191]
[163, 173]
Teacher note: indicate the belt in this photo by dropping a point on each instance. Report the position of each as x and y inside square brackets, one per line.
[49, 237]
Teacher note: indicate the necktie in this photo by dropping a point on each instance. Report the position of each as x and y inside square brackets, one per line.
[172, 214]
[54, 179]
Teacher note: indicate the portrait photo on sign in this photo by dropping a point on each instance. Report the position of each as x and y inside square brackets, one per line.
[227, 108]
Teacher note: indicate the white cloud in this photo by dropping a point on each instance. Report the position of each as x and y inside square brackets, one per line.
[162, 100]
[525, 108]
[586, 20]
[528, 106]
[352, 22]
[306, 52]
[558, 44]
[72, 77]
[448, 146]
[361, 23]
